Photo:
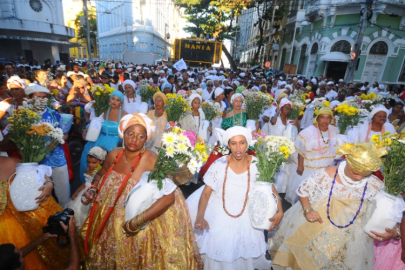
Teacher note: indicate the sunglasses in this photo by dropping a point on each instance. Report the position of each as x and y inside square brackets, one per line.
[210, 85]
[195, 84]
[104, 78]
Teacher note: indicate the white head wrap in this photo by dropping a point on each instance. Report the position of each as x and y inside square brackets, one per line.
[381, 86]
[98, 153]
[377, 109]
[283, 102]
[236, 95]
[288, 86]
[35, 88]
[192, 97]
[70, 73]
[134, 119]
[237, 83]
[314, 81]
[16, 81]
[130, 82]
[235, 131]
[218, 91]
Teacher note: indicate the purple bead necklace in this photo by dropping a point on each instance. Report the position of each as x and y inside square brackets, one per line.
[358, 211]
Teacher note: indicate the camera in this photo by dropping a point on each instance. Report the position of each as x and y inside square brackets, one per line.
[53, 222]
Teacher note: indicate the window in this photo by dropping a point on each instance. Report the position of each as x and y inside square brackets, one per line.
[379, 47]
[283, 53]
[293, 56]
[341, 46]
[314, 48]
[302, 59]
[402, 74]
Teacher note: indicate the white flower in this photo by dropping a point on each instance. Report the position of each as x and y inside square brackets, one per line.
[168, 139]
[402, 141]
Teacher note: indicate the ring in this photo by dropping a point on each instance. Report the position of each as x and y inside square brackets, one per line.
[381, 239]
[311, 220]
[198, 224]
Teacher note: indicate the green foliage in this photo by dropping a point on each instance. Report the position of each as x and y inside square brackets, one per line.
[82, 33]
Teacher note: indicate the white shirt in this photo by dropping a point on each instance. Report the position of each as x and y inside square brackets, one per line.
[372, 90]
[331, 95]
[206, 95]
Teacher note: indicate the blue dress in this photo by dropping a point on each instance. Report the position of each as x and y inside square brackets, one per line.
[108, 140]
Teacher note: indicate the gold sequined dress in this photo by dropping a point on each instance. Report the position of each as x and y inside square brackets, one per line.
[21, 228]
[168, 242]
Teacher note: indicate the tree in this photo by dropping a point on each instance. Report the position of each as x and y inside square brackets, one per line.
[82, 33]
[213, 18]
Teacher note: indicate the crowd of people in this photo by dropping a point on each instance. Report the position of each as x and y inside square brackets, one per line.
[210, 229]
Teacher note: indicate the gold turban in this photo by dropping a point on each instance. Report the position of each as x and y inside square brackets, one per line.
[363, 157]
[323, 110]
[160, 94]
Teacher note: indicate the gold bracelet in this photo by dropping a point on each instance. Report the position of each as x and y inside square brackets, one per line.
[399, 233]
[308, 210]
[129, 229]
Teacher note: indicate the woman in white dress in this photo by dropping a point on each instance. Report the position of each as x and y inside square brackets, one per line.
[194, 119]
[132, 102]
[279, 125]
[225, 236]
[377, 124]
[316, 146]
[218, 98]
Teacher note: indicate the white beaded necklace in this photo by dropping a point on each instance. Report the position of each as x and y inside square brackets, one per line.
[346, 181]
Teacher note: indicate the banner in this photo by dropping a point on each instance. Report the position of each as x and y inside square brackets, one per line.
[179, 65]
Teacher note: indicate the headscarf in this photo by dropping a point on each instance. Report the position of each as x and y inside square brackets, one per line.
[218, 91]
[240, 89]
[236, 82]
[136, 119]
[15, 80]
[192, 97]
[281, 96]
[98, 152]
[363, 157]
[166, 84]
[236, 95]
[235, 131]
[376, 110]
[160, 94]
[283, 102]
[35, 88]
[323, 110]
[118, 94]
[130, 82]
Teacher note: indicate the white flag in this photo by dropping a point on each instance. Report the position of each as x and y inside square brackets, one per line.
[179, 65]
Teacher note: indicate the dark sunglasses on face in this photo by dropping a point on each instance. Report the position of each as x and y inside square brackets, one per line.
[104, 78]
[210, 85]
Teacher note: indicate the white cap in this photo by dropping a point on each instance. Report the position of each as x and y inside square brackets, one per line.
[138, 67]
[330, 83]
[242, 75]
[341, 80]
[161, 71]
[35, 88]
[288, 86]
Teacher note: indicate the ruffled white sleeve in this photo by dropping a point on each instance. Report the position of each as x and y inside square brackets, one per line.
[215, 175]
[311, 186]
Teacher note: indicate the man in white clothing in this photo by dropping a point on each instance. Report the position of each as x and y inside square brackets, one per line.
[330, 93]
[373, 89]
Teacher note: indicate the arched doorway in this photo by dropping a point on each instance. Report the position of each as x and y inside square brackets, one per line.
[337, 69]
[301, 60]
[375, 61]
[312, 60]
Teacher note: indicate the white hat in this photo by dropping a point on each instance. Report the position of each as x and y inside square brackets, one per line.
[330, 83]
[138, 67]
[221, 72]
[70, 73]
[35, 88]
[341, 80]
[381, 86]
[242, 74]
[314, 81]
[281, 78]
[288, 86]
[146, 68]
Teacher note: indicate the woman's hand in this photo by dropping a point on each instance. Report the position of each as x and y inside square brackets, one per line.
[300, 169]
[381, 237]
[313, 216]
[276, 219]
[88, 196]
[201, 224]
[46, 192]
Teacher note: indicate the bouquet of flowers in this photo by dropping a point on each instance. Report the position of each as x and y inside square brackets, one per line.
[271, 152]
[179, 148]
[297, 110]
[176, 107]
[53, 95]
[210, 110]
[348, 117]
[33, 138]
[256, 104]
[146, 91]
[101, 98]
[183, 93]
[367, 102]
[393, 167]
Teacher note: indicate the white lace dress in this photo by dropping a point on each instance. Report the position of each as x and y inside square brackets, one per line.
[299, 243]
[135, 105]
[230, 243]
[316, 153]
[76, 205]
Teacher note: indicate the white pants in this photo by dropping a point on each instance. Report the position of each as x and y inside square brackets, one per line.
[60, 177]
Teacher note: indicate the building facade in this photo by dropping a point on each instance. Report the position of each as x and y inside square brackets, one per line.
[320, 35]
[139, 31]
[34, 29]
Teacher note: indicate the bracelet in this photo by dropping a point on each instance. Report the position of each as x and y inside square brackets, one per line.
[399, 233]
[49, 181]
[128, 229]
[308, 210]
[94, 188]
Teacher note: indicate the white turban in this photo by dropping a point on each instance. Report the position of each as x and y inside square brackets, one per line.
[136, 119]
[192, 97]
[236, 95]
[218, 91]
[377, 109]
[288, 86]
[237, 83]
[283, 102]
[130, 82]
[35, 88]
[235, 131]
[15, 80]
[70, 73]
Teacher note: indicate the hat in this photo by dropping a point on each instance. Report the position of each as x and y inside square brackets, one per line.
[105, 73]
[138, 67]
[330, 83]
[35, 88]
[98, 153]
[341, 80]
[136, 119]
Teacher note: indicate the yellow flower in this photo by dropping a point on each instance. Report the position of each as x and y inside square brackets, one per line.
[326, 103]
[387, 142]
[375, 138]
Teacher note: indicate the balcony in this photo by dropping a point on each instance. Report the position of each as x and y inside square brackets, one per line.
[313, 7]
[37, 27]
[299, 17]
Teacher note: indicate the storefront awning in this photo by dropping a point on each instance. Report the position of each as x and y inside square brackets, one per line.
[336, 57]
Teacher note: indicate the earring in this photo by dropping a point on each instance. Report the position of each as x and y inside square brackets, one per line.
[143, 149]
[123, 145]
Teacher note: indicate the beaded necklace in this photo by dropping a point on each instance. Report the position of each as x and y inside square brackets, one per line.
[223, 193]
[323, 139]
[357, 212]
